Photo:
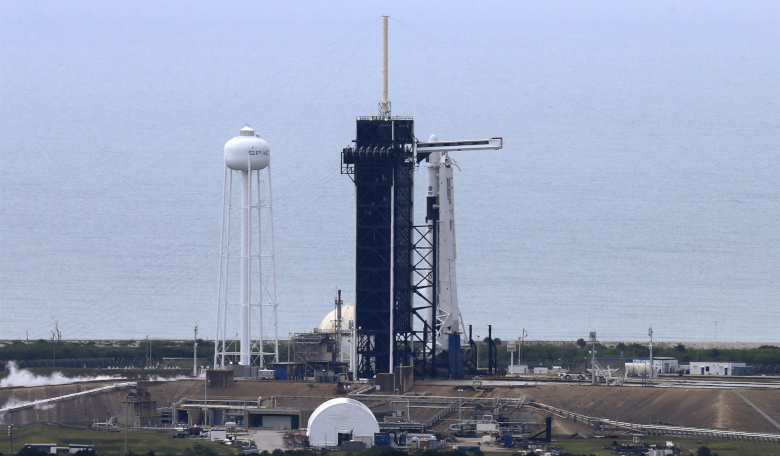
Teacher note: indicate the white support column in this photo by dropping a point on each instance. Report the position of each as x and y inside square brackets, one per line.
[392, 276]
[220, 308]
[273, 265]
[245, 333]
[384, 105]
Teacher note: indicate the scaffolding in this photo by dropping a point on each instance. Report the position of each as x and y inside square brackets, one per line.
[307, 350]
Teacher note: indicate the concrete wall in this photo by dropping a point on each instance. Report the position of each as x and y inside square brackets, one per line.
[404, 378]
[385, 383]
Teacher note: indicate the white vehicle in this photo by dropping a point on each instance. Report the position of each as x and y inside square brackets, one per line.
[568, 376]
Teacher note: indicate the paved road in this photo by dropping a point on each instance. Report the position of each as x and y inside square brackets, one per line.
[267, 439]
[661, 383]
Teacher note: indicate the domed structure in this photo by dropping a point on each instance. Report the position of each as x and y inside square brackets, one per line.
[339, 420]
[245, 150]
[328, 324]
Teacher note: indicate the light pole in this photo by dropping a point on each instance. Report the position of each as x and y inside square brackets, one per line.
[126, 404]
[460, 406]
[522, 342]
[478, 342]
[593, 360]
[195, 353]
[652, 368]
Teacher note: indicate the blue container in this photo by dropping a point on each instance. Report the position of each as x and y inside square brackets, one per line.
[281, 373]
[382, 440]
[507, 441]
[455, 356]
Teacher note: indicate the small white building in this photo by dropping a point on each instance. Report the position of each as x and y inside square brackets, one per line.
[541, 370]
[518, 369]
[717, 368]
[217, 435]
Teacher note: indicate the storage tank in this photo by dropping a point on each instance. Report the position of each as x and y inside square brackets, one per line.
[638, 369]
[247, 150]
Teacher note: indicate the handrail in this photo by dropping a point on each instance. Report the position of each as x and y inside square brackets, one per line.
[657, 429]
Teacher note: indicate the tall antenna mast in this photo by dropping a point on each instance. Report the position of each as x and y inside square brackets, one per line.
[195, 353]
[384, 105]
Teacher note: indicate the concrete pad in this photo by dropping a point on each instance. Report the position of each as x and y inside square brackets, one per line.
[267, 439]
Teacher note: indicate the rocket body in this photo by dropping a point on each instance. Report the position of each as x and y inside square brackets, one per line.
[440, 219]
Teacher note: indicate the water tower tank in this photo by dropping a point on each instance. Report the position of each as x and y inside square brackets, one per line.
[247, 149]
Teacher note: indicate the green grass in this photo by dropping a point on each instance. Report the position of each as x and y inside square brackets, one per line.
[724, 448]
[105, 441]
[160, 442]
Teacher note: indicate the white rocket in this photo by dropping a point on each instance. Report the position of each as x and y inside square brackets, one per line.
[440, 218]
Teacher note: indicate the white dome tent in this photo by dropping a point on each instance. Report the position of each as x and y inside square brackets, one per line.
[339, 420]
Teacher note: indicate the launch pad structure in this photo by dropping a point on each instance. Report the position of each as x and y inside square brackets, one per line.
[397, 261]
[381, 164]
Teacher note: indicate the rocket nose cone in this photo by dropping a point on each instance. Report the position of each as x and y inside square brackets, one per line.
[433, 138]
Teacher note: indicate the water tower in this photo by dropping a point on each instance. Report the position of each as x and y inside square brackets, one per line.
[247, 282]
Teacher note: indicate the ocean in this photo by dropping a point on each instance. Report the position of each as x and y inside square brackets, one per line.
[638, 184]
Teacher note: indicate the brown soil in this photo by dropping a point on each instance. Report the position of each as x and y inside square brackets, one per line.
[768, 401]
[707, 408]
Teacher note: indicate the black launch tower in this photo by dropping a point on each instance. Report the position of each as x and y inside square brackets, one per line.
[381, 164]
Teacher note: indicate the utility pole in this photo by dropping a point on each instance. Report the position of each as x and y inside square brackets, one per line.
[11, 436]
[490, 349]
[716, 333]
[195, 353]
[522, 342]
[652, 369]
[593, 358]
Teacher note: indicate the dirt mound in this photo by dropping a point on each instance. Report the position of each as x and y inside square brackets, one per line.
[707, 408]
[105, 405]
